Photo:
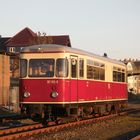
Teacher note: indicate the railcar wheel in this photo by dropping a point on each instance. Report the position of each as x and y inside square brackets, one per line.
[89, 110]
[108, 108]
[115, 108]
[36, 117]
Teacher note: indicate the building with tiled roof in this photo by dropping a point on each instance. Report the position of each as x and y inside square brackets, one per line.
[22, 38]
[27, 37]
[133, 73]
[3, 42]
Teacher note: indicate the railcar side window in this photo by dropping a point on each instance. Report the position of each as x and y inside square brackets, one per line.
[102, 74]
[41, 67]
[81, 68]
[61, 67]
[118, 74]
[23, 68]
[90, 71]
[95, 70]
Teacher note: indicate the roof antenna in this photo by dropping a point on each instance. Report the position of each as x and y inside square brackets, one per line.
[105, 55]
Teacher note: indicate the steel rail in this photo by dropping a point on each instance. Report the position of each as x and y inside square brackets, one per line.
[32, 130]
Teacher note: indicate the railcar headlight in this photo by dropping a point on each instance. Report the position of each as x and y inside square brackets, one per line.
[54, 94]
[26, 94]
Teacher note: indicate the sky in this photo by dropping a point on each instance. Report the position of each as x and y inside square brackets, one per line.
[97, 26]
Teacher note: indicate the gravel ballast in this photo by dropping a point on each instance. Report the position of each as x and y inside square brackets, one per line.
[119, 128]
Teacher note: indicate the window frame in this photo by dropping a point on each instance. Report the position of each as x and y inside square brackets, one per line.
[81, 68]
[21, 65]
[95, 70]
[118, 74]
[66, 72]
[47, 74]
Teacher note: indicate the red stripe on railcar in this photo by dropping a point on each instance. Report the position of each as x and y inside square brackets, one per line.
[70, 90]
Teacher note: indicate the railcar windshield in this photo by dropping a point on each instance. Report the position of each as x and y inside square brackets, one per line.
[61, 67]
[23, 68]
[41, 67]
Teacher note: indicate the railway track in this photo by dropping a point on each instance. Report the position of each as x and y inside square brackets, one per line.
[29, 130]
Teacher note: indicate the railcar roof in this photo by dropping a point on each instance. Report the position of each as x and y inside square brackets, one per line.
[60, 48]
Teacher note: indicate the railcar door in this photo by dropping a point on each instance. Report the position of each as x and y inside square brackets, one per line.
[74, 78]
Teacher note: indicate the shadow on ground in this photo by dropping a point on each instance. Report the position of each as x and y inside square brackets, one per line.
[127, 136]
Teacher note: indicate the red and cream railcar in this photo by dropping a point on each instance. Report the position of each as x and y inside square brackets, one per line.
[60, 79]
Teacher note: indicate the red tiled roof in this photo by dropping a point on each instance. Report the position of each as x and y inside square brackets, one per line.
[60, 40]
[22, 38]
[27, 37]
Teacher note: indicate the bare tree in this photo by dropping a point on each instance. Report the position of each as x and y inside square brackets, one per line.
[41, 38]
